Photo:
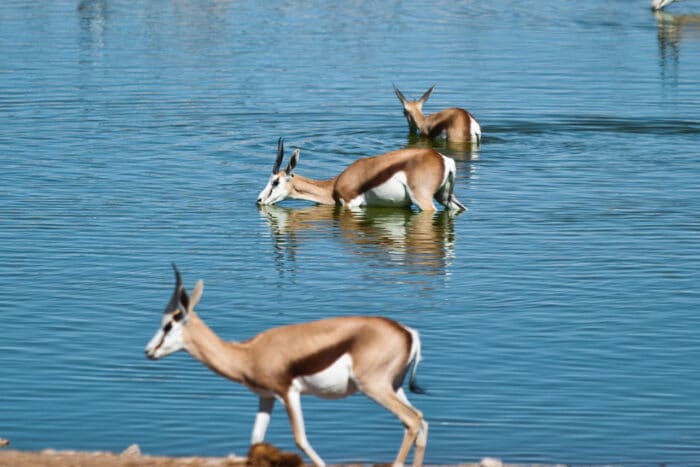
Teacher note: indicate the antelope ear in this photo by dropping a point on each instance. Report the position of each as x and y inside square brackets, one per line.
[427, 94]
[399, 94]
[196, 295]
[293, 161]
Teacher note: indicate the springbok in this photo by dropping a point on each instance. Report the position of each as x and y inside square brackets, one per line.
[458, 125]
[398, 178]
[331, 358]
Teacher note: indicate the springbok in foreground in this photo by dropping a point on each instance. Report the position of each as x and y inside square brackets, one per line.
[331, 359]
[398, 178]
[458, 125]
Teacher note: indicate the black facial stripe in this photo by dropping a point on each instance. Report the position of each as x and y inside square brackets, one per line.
[162, 340]
[168, 327]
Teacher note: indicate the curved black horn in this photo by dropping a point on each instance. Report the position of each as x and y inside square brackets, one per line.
[280, 155]
[179, 294]
[178, 279]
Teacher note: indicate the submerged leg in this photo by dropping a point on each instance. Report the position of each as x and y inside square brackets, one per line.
[454, 205]
[423, 200]
[446, 195]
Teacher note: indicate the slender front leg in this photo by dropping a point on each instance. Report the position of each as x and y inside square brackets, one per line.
[293, 405]
[262, 419]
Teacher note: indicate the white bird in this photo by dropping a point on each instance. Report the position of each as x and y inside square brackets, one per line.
[657, 5]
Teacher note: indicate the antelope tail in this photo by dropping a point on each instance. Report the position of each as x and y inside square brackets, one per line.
[415, 358]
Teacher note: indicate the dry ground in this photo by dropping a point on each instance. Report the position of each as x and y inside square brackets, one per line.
[11, 458]
[262, 455]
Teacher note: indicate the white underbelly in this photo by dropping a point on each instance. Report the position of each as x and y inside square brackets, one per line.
[392, 193]
[334, 382]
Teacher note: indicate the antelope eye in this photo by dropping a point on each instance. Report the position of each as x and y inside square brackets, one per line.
[276, 182]
[177, 316]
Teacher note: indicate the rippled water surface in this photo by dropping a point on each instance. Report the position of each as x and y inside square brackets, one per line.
[559, 314]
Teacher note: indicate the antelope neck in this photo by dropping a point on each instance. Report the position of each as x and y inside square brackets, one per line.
[319, 191]
[224, 358]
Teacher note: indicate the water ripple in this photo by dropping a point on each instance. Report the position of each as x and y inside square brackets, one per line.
[558, 314]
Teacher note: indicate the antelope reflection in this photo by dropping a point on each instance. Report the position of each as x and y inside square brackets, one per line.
[672, 30]
[459, 151]
[93, 16]
[420, 242]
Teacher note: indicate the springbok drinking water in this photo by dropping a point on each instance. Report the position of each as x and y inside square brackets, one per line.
[398, 178]
[458, 125]
[330, 358]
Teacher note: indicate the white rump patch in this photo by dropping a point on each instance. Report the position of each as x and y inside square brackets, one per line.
[450, 169]
[475, 130]
[335, 382]
[392, 193]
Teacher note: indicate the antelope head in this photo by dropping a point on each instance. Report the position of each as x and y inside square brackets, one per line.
[279, 186]
[413, 110]
[170, 337]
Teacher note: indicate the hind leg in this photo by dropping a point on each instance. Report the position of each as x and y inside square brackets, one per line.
[411, 418]
[422, 438]
[424, 203]
[448, 199]
[446, 195]
[422, 199]
[453, 204]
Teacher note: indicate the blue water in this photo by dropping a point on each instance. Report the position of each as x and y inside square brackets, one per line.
[559, 314]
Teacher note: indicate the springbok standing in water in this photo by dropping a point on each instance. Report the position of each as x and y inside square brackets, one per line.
[330, 358]
[458, 125]
[398, 178]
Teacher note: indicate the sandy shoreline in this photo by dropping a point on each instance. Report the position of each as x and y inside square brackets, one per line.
[50, 458]
[132, 457]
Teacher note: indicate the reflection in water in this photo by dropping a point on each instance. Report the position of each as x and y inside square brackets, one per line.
[417, 242]
[458, 151]
[671, 30]
[187, 23]
[93, 19]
